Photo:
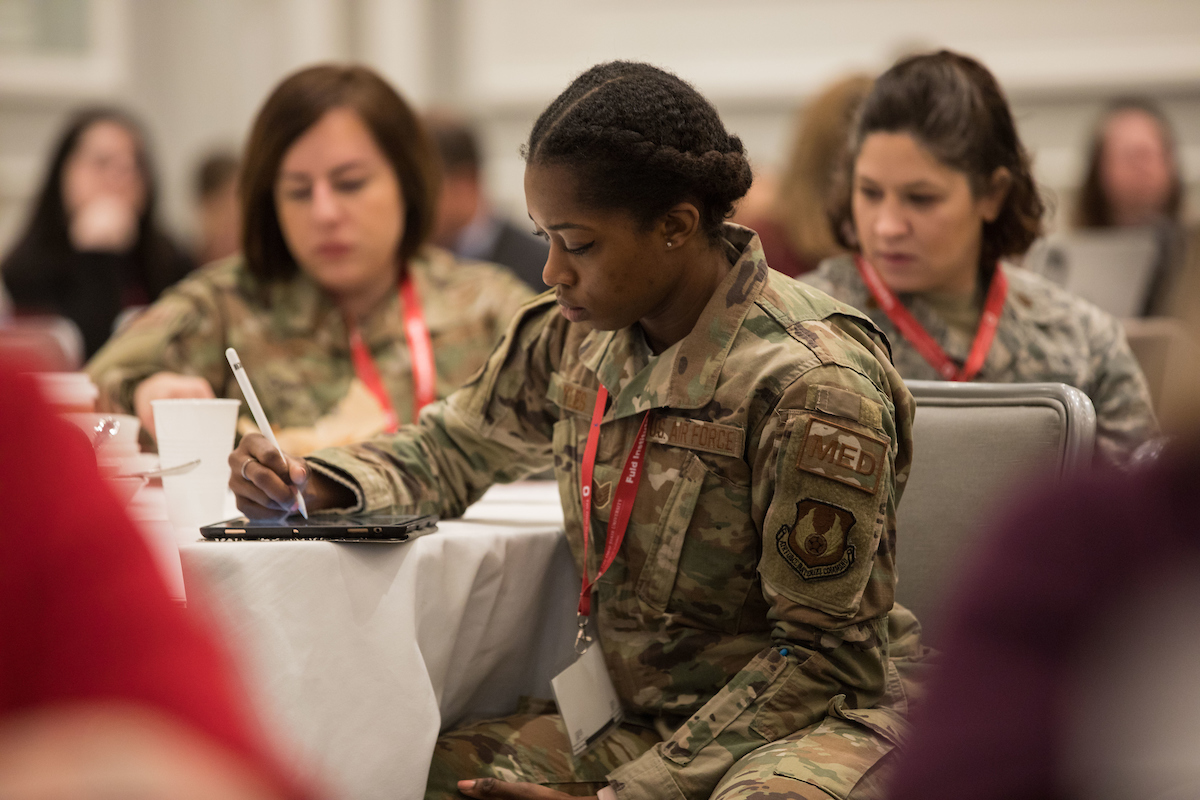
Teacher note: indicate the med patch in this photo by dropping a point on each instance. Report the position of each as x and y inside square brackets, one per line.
[817, 542]
[838, 453]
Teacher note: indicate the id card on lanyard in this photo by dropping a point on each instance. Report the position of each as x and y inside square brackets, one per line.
[584, 691]
[420, 348]
[918, 337]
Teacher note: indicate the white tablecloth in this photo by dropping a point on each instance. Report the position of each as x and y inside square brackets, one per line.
[360, 653]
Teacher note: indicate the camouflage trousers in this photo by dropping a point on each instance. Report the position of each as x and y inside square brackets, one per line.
[847, 755]
[836, 757]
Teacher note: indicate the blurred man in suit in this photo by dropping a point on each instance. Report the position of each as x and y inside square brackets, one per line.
[465, 223]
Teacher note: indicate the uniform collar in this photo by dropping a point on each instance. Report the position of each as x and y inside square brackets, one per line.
[684, 375]
[298, 307]
[1000, 357]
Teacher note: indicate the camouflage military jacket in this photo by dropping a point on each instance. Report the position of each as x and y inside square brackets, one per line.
[1045, 334]
[294, 343]
[757, 570]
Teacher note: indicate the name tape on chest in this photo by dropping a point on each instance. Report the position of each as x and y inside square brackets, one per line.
[571, 396]
[692, 434]
[843, 455]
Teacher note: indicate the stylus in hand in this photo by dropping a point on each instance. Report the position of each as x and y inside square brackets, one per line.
[260, 417]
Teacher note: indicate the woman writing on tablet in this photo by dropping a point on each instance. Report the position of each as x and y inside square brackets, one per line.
[751, 433]
[936, 190]
[343, 317]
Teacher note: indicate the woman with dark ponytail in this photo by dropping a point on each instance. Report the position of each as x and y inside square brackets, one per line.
[935, 192]
[731, 441]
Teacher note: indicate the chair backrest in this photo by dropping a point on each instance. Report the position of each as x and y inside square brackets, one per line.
[972, 443]
[1161, 346]
[1112, 268]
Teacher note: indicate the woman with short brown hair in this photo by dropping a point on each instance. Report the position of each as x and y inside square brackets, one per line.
[936, 191]
[297, 105]
[344, 317]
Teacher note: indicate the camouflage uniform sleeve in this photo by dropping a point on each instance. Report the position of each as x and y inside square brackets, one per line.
[494, 429]
[825, 466]
[182, 332]
[1124, 412]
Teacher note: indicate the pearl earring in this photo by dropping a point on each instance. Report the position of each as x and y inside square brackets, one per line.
[669, 243]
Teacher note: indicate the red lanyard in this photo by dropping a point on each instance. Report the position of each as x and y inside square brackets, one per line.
[622, 503]
[420, 348]
[919, 338]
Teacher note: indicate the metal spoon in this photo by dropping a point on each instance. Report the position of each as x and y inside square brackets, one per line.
[180, 469]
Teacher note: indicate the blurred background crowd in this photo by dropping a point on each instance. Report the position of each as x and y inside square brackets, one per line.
[1108, 104]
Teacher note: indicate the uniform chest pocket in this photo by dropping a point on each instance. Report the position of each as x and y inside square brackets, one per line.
[701, 562]
[662, 555]
[302, 388]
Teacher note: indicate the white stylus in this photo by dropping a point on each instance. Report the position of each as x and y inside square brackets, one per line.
[260, 417]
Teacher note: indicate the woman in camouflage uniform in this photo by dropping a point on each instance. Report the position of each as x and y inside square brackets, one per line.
[745, 618]
[936, 188]
[339, 191]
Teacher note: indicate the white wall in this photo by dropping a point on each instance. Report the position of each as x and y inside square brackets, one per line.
[1058, 60]
[196, 70]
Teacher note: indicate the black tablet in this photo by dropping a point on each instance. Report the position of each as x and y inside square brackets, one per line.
[329, 527]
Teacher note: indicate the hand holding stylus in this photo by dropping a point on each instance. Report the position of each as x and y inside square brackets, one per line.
[260, 419]
[270, 480]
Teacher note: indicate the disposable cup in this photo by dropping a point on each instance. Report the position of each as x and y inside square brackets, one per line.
[187, 430]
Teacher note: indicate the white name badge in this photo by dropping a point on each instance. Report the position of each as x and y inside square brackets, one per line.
[587, 700]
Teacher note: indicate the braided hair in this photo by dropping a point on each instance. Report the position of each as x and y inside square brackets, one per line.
[641, 139]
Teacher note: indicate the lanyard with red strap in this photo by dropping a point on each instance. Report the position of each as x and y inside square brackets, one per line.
[919, 338]
[622, 503]
[420, 348]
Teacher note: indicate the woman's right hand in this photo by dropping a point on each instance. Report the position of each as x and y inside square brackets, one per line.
[165, 385]
[107, 224]
[265, 482]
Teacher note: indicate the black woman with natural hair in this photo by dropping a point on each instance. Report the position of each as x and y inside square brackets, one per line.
[935, 192]
[729, 448]
[93, 246]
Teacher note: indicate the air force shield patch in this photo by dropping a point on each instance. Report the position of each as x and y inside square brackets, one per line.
[816, 545]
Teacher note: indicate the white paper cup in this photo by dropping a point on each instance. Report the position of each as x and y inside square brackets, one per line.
[187, 430]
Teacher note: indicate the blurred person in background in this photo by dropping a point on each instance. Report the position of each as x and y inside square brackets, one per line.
[795, 231]
[107, 688]
[935, 190]
[1134, 180]
[92, 247]
[345, 319]
[215, 186]
[466, 224]
[1070, 660]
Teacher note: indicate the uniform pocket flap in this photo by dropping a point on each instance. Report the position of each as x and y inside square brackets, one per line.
[887, 722]
[727, 705]
[662, 561]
